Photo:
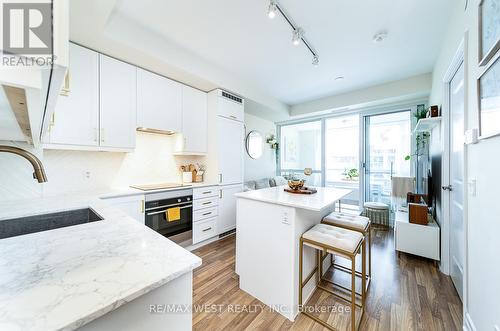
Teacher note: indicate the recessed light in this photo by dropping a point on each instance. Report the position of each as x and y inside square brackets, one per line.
[339, 78]
[379, 37]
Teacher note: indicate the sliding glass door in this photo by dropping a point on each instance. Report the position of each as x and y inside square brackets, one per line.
[342, 155]
[300, 148]
[387, 143]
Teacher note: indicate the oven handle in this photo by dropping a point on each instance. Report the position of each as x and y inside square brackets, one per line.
[165, 206]
[164, 211]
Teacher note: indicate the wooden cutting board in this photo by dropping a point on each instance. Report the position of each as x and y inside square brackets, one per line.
[304, 190]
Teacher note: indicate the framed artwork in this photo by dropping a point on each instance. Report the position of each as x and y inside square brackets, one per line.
[489, 30]
[489, 99]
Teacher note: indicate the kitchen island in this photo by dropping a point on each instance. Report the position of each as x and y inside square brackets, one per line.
[114, 274]
[269, 225]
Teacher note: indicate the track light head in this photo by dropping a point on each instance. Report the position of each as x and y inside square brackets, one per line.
[315, 61]
[272, 9]
[298, 33]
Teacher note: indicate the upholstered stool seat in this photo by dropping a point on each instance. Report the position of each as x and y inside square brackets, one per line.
[347, 221]
[376, 205]
[336, 241]
[339, 238]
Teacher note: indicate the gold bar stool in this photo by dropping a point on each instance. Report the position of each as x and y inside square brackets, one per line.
[337, 241]
[359, 224]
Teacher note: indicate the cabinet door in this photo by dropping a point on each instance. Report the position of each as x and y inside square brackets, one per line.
[227, 207]
[76, 116]
[194, 120]
[230, 109]
[132, 206]
[159, 102]
[230, 149]
[118, 103]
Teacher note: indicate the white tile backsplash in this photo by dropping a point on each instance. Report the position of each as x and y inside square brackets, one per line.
[70, 171]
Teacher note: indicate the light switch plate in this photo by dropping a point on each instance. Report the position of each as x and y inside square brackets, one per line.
[473, 189]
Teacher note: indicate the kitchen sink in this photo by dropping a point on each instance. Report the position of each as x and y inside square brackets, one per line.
[38, 223]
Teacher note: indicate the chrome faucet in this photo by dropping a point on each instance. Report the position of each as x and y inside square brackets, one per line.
[39, 172]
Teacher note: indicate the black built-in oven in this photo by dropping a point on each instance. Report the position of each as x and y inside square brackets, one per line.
[157, 205]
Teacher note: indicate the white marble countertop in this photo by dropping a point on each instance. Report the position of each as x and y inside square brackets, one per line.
[325, 197]
[64, 278]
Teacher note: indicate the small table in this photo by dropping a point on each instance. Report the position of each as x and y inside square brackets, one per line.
[416, 239]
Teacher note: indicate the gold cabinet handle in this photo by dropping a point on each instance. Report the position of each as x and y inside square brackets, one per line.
[95, 134]
[102, 135]
[142, 206]
[65, 90]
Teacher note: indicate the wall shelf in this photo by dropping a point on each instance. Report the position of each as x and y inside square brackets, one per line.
[427, 124]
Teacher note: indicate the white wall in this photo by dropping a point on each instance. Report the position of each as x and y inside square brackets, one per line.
[416, 87]
[483, 270]
[70, 171]
[266, 165]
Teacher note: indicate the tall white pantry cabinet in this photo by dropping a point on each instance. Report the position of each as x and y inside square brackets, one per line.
[226, 152]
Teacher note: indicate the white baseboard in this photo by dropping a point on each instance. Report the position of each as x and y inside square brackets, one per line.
[468, 324]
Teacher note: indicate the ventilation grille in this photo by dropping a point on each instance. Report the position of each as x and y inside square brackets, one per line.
[227, 233]
[232, 97]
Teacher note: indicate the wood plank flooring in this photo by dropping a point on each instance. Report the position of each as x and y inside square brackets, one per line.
[407, 293]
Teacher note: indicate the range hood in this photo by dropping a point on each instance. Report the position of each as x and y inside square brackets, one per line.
[148, 130]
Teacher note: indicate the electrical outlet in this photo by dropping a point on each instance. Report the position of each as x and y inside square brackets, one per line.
[87, 174]
[284, 218]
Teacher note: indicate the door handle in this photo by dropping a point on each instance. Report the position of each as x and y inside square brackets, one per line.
[447, 188]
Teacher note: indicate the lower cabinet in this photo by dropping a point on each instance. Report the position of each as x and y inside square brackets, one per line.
[205, 229]
[133, 206]
[205, 211]
[227, 207]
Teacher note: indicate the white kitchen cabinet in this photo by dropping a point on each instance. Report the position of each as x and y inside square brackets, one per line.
[193, 139]
[230, 106]
[76, 117]
[133, 206]
[117, 103]
[227, 207]
[416, 239]
[231, 136]
[159, 102]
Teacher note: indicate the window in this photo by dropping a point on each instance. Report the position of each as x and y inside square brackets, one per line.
[300, 148]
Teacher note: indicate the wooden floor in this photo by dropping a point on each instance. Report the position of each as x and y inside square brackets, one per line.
[407, 293]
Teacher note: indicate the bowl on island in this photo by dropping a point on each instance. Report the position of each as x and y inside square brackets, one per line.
[296, 184]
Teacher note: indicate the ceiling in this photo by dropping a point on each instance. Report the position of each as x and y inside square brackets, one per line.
[237, 35]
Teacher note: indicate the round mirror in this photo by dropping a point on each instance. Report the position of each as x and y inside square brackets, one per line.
[254, 144]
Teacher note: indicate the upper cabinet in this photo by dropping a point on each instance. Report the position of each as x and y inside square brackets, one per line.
[159, 103]
[230, 106]
[193, 140]
[118, 103]
[97, 110]
[76, 117]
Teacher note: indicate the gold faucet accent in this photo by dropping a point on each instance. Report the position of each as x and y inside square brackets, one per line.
[39, 172]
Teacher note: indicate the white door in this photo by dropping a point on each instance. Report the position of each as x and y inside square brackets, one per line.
[230, 149]
[118, 103]
[456, 179]
[159, 102]
[76, 117]
[194, 120]
[227, 207]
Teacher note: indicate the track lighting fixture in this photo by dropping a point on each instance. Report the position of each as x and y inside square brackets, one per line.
[297, 32]
[297, 36]
[271, 10]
